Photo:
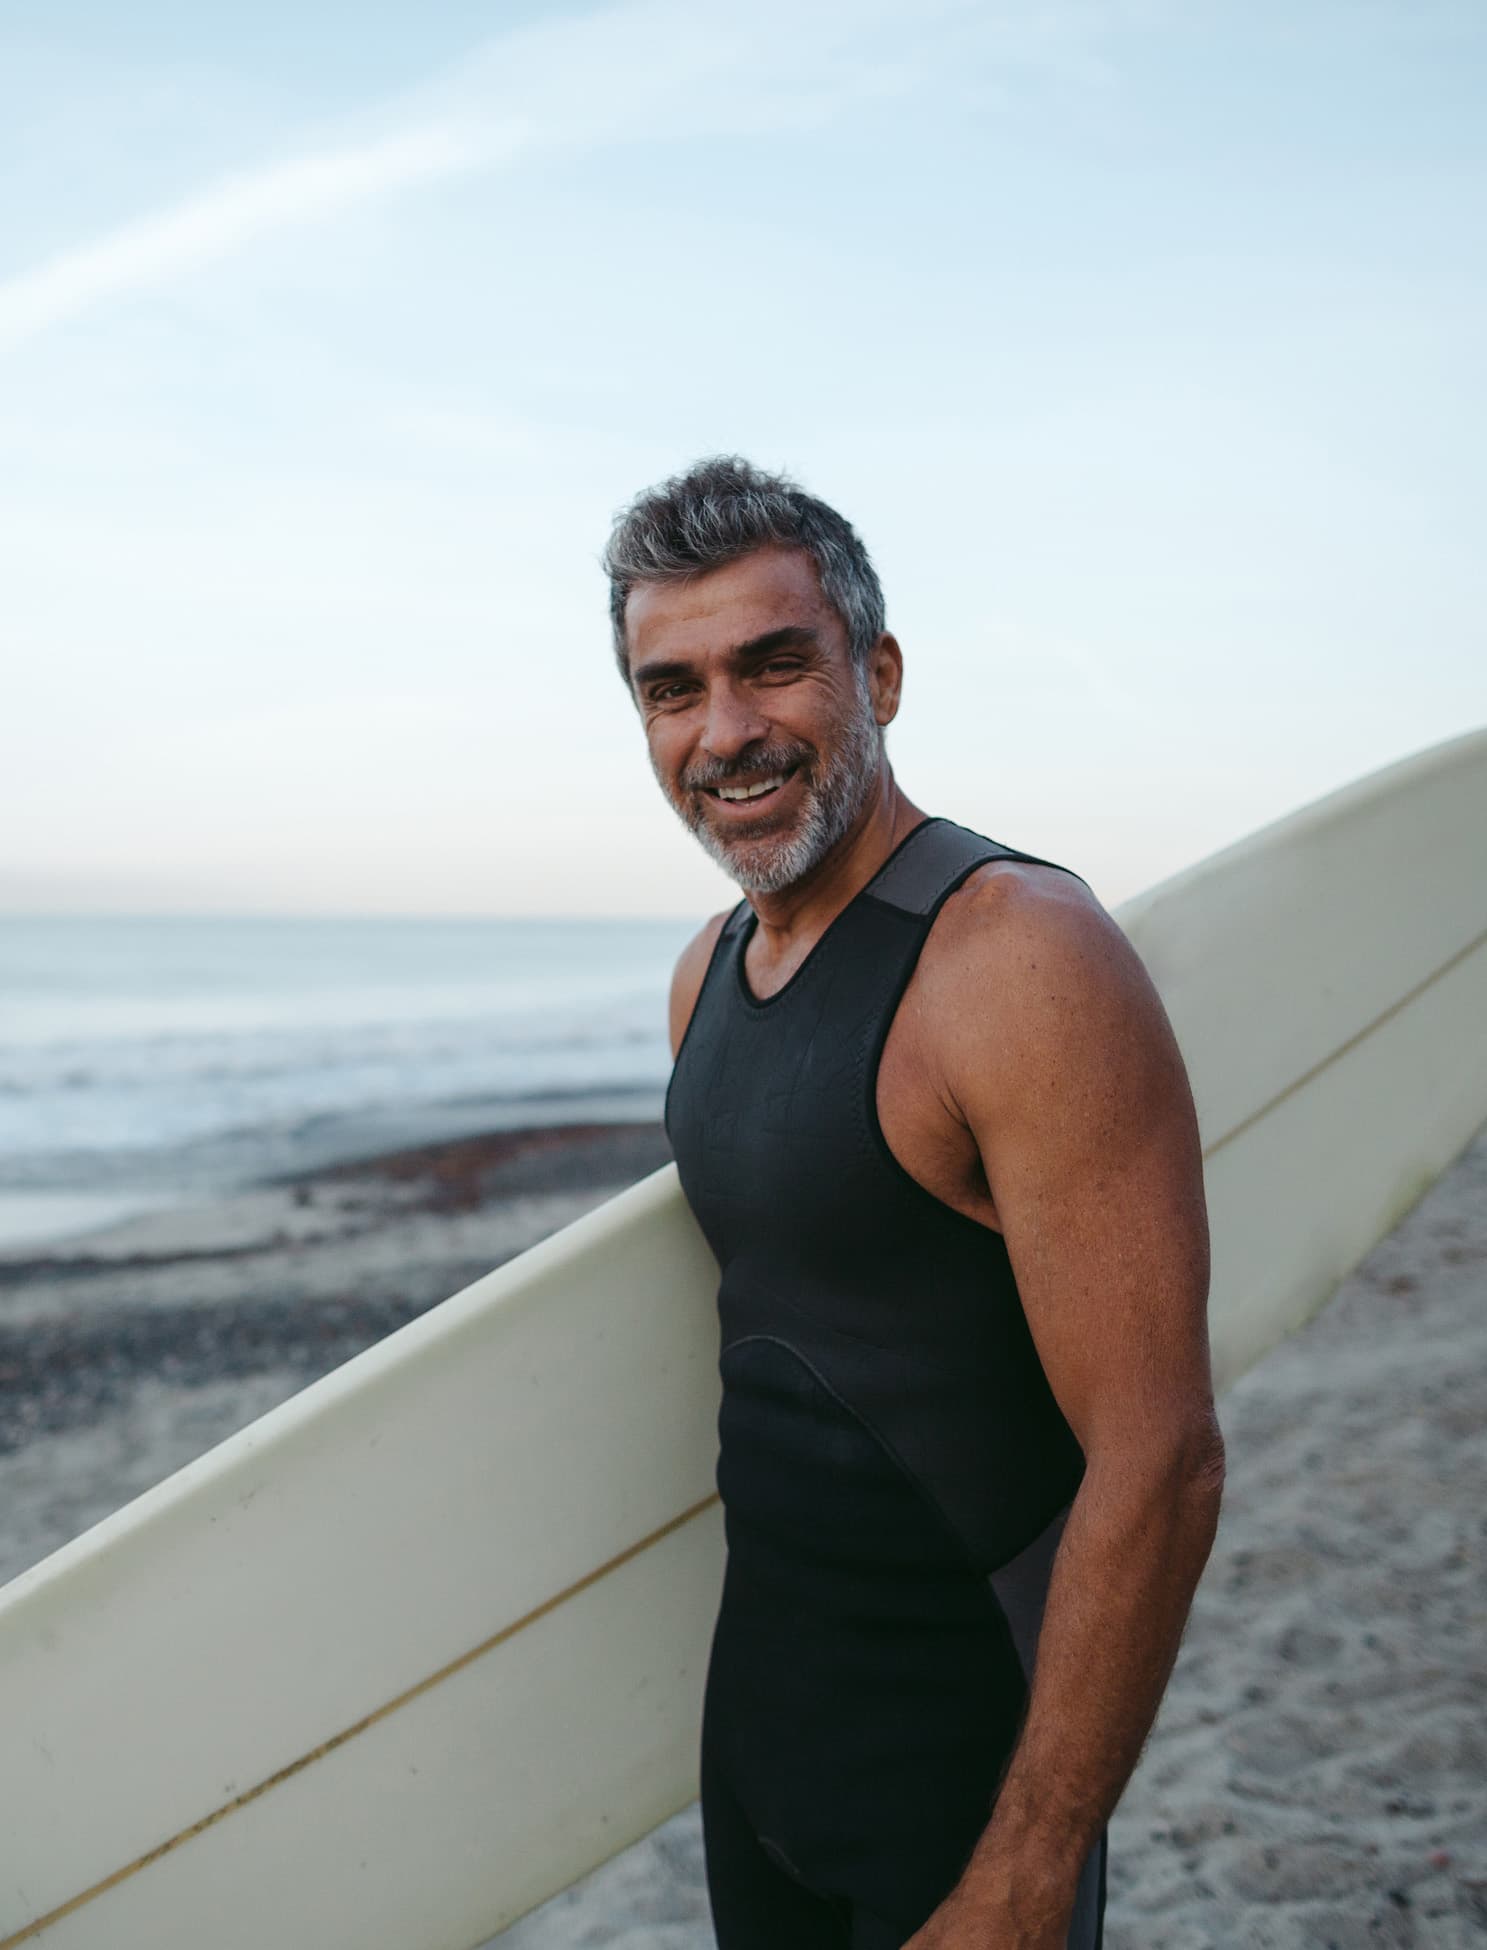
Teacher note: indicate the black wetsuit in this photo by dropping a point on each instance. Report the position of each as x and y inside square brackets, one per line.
[893, 1467]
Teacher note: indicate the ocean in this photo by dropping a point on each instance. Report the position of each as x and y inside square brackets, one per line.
[146, 1060]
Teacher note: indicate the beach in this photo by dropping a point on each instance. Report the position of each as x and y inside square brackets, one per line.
[129, 1350]
[1318, 1772]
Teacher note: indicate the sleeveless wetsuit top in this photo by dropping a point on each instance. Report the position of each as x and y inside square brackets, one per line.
[888, 1442]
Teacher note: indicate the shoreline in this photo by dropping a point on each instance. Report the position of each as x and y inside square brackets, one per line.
[461, 1172]
[137, 1346]
[90, 1193]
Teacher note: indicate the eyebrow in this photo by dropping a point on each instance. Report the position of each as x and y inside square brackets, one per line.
[790, 637]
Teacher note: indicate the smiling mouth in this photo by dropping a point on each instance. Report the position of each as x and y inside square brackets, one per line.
[735, 794]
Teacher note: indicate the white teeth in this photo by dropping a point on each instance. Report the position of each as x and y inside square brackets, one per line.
[750, 791]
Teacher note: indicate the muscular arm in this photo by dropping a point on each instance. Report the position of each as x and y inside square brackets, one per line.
[1054, 1051]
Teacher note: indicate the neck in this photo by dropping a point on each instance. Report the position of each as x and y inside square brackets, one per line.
[798, 915]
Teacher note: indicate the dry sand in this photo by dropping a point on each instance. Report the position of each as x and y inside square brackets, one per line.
[1318, 1774]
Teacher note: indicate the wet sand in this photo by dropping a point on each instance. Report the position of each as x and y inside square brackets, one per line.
[1318, 1774]
[128, 1351]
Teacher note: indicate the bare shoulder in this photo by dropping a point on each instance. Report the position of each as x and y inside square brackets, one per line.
[687, 977]
[1014, 921]
[1029, 979]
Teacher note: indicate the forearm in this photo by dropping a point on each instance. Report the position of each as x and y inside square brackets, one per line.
[1132, 1551]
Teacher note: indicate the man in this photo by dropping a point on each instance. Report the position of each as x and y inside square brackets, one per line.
[930, 1114]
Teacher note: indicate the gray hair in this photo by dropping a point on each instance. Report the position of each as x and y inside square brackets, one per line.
[722, 508]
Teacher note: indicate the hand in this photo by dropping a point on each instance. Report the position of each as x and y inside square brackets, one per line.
[993, 1920]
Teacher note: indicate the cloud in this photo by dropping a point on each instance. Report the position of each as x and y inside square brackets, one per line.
[230, 214]
[642, 70]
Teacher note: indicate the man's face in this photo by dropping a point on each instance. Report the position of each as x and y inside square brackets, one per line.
[761, 733]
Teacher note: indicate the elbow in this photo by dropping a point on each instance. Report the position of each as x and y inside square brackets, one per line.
[1200, 1470]
[1178, 1470]
[1197, 1454]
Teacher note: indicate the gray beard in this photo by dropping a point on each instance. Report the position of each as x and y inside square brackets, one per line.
[835, 797]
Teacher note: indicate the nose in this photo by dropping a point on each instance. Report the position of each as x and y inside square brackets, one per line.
[733, 721]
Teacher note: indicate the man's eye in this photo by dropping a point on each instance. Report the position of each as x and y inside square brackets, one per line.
[781, 664]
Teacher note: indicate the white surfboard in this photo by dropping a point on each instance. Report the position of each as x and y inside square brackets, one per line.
[420, 1647]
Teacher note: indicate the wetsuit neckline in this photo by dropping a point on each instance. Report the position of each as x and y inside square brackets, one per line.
[751, 923]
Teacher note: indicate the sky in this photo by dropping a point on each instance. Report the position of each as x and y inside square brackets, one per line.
[1141, 342]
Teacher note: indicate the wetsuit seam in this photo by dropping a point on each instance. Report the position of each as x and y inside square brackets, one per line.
[910, 1476]
[871, 1062]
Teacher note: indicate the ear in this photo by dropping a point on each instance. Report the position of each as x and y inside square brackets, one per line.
[885, 677]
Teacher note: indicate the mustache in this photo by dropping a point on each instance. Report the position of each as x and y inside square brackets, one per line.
[768, 759]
